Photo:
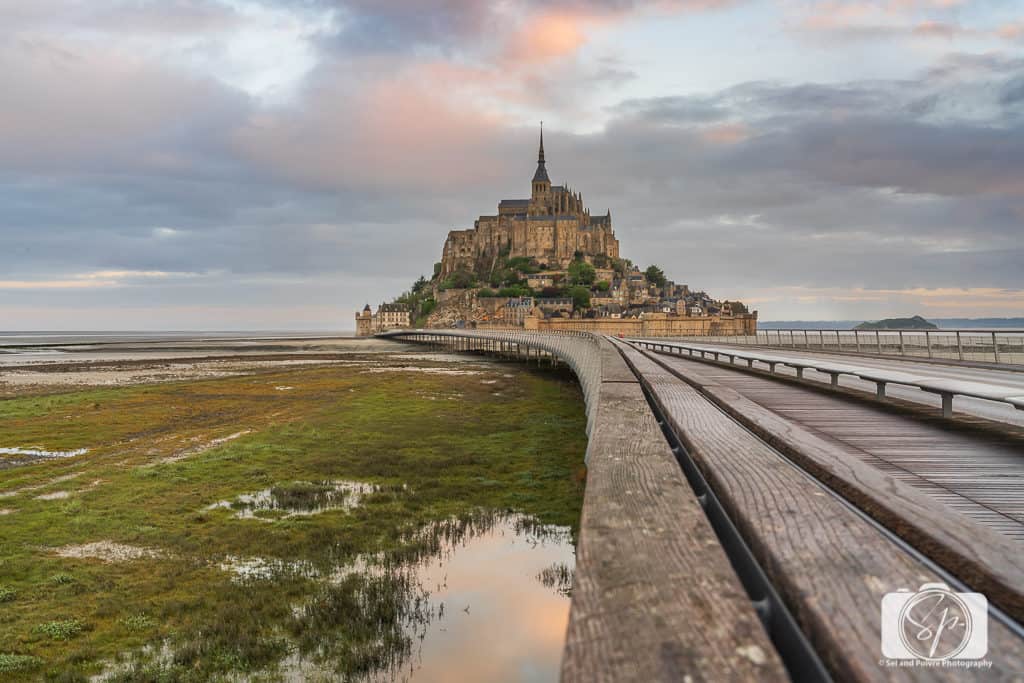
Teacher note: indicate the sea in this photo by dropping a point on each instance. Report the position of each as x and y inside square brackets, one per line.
[29, 338]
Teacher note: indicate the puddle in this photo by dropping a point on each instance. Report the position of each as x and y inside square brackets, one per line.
[480, 598]
[39, 453]
[488, 601]
[263, 569]
[491, 594]
[295, 499]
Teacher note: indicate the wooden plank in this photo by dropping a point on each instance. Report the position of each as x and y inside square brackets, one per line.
[900, 492]
[654, 597]
[613, 368]
[830, 565]
[980, 557]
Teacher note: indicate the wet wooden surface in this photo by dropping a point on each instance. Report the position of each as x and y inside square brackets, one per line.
[831, 566]
[964, 544]
[655, 597]
[981, 475]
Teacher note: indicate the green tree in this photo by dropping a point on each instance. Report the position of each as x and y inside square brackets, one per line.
[460, 279]
[581, 273]
[419, 285]
[521, 263]
[603, 286]
[738, 307]
[515, 290]
[580, 297]
[655, 275]
[486, 293]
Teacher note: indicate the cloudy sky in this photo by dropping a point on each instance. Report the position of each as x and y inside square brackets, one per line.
[275, 164]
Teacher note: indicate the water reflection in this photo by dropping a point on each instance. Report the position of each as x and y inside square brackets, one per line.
[487, 600]
[298, 498]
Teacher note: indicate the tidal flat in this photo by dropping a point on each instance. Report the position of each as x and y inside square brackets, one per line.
[306, 510]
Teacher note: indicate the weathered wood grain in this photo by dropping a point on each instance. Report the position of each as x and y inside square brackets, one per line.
[654, 598]
[948, 529]
[830, 566]
[613, 367]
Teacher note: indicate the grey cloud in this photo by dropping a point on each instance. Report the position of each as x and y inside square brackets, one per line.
[1013, 92]
[881, 183]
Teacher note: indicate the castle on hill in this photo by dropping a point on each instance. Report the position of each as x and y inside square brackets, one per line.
[546, 264]
[551, 228]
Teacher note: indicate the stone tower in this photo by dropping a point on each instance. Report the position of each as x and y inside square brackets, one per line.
[541, 181]
[364, 322]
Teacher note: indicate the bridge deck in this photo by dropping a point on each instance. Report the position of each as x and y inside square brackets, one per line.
[831, 565]
[1001, 378]
[981, 475]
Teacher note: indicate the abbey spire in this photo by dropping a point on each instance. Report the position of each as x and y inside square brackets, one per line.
[541, 182]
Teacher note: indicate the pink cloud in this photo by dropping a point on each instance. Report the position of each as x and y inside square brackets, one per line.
[1011, 31]
[726, 134]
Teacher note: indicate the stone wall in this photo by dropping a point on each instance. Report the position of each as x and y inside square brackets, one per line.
[651, 325]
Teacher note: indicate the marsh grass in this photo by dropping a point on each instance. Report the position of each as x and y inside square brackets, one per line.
[12, 663]
[63, 629]
[557, 577]
[435, 467]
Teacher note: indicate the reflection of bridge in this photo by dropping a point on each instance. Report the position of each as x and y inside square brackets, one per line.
[743, 523]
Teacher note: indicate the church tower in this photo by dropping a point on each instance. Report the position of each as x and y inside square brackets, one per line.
[541, 182]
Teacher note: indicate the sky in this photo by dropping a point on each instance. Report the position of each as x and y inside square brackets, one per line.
[276, 164]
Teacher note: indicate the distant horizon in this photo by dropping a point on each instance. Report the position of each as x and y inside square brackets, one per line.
[1017, 322]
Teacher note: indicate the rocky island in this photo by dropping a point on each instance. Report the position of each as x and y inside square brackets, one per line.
[547, 263]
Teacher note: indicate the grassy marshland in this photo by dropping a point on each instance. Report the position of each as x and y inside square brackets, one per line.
[440, 450]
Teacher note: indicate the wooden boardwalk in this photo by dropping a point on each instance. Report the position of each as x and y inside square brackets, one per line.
[980, 475]
[833, 502]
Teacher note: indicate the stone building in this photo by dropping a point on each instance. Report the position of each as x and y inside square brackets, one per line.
[387, 317]
[364, 322]
[390, 316]
[550, 227]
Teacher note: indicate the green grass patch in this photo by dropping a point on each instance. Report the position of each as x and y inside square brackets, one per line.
[64, 629]
[10, 663]
[435, 448]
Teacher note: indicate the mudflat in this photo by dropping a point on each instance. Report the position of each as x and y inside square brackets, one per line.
[281, 510]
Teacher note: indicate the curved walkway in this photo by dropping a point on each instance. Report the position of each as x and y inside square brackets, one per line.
[655, 598]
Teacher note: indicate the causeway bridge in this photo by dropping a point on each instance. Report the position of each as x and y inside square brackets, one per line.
[748, 506]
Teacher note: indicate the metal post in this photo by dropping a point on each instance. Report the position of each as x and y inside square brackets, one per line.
[807, 343]
[839, 342]
[856, 339]
[995, 347]
[928, 342]
[959, 346]
[903, 349]
[878, 341]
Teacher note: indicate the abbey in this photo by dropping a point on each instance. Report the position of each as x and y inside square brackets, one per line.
[551, 228]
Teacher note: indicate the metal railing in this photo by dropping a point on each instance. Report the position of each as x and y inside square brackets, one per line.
[1004, 347]
[945, 387]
